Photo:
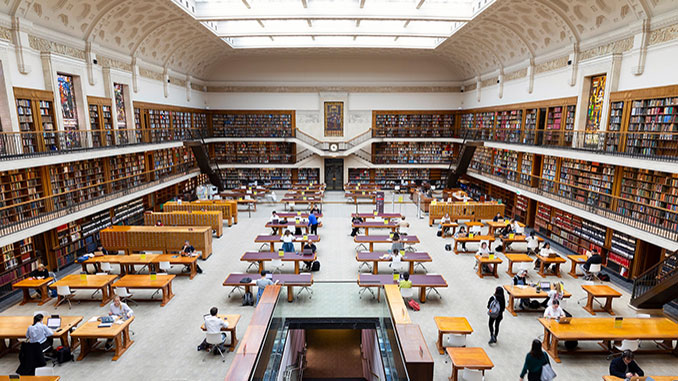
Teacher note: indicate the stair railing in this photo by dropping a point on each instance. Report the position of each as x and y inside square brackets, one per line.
[469, 134]
[203, 146]
[655, 275]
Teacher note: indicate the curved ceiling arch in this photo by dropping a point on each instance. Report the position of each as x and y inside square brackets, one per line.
[89, 32]
[497, 60]
[562, 17]
[515, 32]
[150, 32]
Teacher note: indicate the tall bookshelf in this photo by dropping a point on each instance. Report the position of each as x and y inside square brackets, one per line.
[568, 125]
[484, 123]
[388, 178]
[360, 175]
[255, 152]
[200, 123]
[128, 170]
[37, 123]
[308, 175]
[238, 124]
[416, 124]
[553, 126]
[412, 153]
[21, 193]
[587, 182]
[18, 260]
[75, 182]
[529, 133]
[101, 121]
[182, 123]
[506, 164]
[653, 127]
[548, 174]
[130, 213]
[641, 188]
[159, 125]
[276, 178]
[520, 208]
[622, 253]
[613, 140]
[138, 126]
[509, 124]
[482, 160]
[466, 123]
[526, 163]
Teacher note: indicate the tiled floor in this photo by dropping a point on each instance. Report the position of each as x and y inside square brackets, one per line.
[166, 337]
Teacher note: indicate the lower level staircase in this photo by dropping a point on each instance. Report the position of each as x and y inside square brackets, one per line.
[658, 285]
[202, 157]
[465, 157]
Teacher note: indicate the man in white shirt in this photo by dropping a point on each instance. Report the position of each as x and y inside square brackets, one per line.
[214, 324]
[532, 244]
[119, 310]
[274, 219]
[39, 333]
[554, 311]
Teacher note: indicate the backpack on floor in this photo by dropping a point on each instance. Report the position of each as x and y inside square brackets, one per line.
[448, 247]
[439, 233]
[63, 355]
[247, 299]
[414, 305]
[534, 304]
[315, 266]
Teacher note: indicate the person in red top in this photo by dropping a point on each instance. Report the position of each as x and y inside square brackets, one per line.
[159, 223]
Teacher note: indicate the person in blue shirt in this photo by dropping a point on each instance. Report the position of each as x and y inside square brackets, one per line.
[313, 223]
[39, 333]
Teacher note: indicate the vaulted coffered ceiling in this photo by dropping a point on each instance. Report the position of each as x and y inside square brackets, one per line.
[470, 37]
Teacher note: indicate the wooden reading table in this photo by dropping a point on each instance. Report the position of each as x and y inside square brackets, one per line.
[378, 256]
[39, 284]
[88, 282]
[492, 260]
[287, 280]
[516, 258]
[576, 260]
[548, 261]
[273, 239]
[89, 333]
[13, 328]
[449, 226]
[523, 292]
[167, 239]
[450, 325]
[300, 225]
[264, 256]
[475, 239]
[297, 214]
[600, 291]
[418, 280]
[517, 239]
[367, 225]
[471, 358]
[232, 321]
[162, 282]
[385, 216]
[494, 225]
[372, 239]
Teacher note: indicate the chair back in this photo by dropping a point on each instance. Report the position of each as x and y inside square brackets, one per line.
[165, 265]
[643, 316]
[213, 338]
[407, 293]
[472, 375]
[631, 345]
[44, 371]
[101, 274]
[456, 340]
[595, 268]
[106, 267]
[63, 290]
[122, 292]
[276, 262]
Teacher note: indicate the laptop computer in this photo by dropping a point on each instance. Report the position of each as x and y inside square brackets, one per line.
[307, 251]
[564, 320]
[54, 322]
[546, 286]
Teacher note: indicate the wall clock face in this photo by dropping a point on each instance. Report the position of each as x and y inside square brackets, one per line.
[334, 147]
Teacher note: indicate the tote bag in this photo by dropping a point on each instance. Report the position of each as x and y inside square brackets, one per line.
[547, 373]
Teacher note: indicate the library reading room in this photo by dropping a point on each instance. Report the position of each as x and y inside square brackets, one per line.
[351, 190]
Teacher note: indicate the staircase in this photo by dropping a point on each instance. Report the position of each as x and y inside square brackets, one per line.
[658, 285]
[465, 157]
[202, 157]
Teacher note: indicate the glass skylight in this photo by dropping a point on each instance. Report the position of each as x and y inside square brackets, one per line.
[419, 24]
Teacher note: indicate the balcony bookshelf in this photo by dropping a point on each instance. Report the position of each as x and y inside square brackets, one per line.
[415, 124]
[548, 174]
[255, 152]
[412, 153]
[182, 122]
[509, 125]
[587, 182]
[307, 176]
[264, 124]
[35, 110]
[613, 142]
[278, 178]
[526, 163]
[128, 169]
[482, 160]
[642, 187]
[484, 123]
[653, 127]
[75, 182]
[18, 260]
[388, 178]
[553, 127]
[531, 121]
[20, 195]
[360, 175]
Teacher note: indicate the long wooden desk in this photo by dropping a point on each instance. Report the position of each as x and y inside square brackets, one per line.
[475, 239]
[288, 280]
[90, 282]
[297, 214]
[603, 329]
[418, 280]
[264, 256]
[225, 209]
[162, 282]
[385, 216]
[39, 284]
[372, 239]
[13, 328]
[523, 292]
[127, 263]
[517, 239]
[464, 211]
[494, 225]
[367, 225]
[468, 358]
[89, 333]
[378, 256]
[516, 258]
[493, 261]
[300, 225]
[168, 239]
[229, 208]
[232, 321]
[273, 239]
[212, 219]
[302, 193]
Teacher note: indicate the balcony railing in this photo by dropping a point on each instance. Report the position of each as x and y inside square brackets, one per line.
[13, 218]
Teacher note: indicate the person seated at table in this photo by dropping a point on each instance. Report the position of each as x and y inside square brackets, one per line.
[314, 210]
[355, 220]
[158, 223]
[214, 324]
[554, 294]
[498, 218]
[102, 250]
[402, 225]
[308, 246]
[119, 310]
[262, 283]
[445, 220]
[397, 244]
[313, 223]
[593, 258]
[288, 239]
[274, 220]
[396, 260]
[484, 252]
[405, 282]
[39, 333]
[547, 252]
[517, 228]
[532, 244]
[625, 367]
[461, 233]
[506, 230]
[554, 311]
[520, 279]
[41, 272]
[189, 251]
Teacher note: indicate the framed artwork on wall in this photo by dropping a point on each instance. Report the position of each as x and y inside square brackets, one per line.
[334, 118]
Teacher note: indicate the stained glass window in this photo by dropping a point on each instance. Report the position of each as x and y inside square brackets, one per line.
[595, 110]
[120, 105]
[67, 96]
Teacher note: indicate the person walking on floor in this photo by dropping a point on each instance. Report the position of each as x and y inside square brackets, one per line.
[495, 311]
[534, 362]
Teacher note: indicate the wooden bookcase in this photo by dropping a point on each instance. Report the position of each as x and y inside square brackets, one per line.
[101, 121]
[306, 175]
[591, 183]
[641, 187]
[22, 194]
[415, 124]
[509, 126]
[412, 153]
[360, 175]
[18, 260]
[255, 152]
[182, 123]
[35, 110]
[482, 160]
[253, 123]
[75, 182]
[388, 178]
[274, 178]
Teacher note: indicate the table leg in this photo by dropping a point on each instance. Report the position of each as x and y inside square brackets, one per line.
[573, 270]
[371, 246]
[455, 373]
[422, 294]
[367, 231]
[27, 296]
[234, 340]
[541, 268]
[510, 268]
[106, 293]
[557, 270]
[509, 306]
[290, 294]
[296, 267]
[85, 348]
[272, 247]
[412, 267]
[194, 270]
[554, 349]
[479, 270]
[165, 294]
[375, 267]
[455, 247]
[439, 343]
[608, 306]
[494, 269]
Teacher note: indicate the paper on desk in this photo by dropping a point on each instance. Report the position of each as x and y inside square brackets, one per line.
[93, 318]
[119, 322]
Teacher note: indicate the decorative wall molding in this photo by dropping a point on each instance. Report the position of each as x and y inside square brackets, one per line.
[489, 82]
[554, 64]
[5, 33]
[44, 45]
[197, 87]
[177, 81]
[520, 73]
[115, 64]
[471, 87]
[662, 35]
[619, 46]
[150, 74]
[317, 89]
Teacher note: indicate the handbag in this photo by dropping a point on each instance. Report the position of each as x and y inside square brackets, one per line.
[547, 373]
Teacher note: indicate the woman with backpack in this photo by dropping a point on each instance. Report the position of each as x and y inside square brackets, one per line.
[535, 361]
[495, 310]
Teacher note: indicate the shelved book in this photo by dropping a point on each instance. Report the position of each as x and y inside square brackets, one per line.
[650, 196]
[526, 169]
[613, 138]
[508, 126]
[653, 127]
[256, 124]
[587, 182]
[278, 178]
[548, 174]
[20, 187]
[529, 133]
[388, 178]
[416, 125]
[482, 160]
[255, 152]
[358, 175]
[413, 153]
[308, 175]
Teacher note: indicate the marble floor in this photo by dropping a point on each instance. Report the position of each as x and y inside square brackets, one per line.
[165, 338]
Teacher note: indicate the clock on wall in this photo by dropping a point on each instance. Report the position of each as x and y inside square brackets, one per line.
[334, 147]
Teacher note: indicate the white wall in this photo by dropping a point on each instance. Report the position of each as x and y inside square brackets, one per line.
[660, 68]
